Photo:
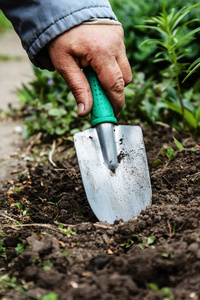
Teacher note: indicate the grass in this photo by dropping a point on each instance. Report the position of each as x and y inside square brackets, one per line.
[4, 23]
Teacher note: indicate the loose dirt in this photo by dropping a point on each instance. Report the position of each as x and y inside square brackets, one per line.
[51, 242]
[156, 256]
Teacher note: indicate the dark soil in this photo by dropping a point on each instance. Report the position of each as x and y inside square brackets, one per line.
[156, 256]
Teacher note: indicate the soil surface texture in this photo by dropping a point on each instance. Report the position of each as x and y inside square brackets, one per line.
[51, 242]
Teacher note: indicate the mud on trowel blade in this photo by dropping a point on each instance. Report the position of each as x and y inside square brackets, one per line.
[114, 168]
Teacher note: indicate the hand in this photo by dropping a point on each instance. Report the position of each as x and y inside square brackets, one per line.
[100, 46]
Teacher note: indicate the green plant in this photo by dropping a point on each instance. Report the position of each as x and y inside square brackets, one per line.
[22, 208]
[129, 243]
[2, 249]
[178, 144]
[4, 23]
[67, 231]
[6, 281]
[172, 45]
[165, 291]
[132, 13]
[50, 296]
[150, 240]
[21, 247]
[193, 67]
[168, 151]
[49, 107]
[56, 204]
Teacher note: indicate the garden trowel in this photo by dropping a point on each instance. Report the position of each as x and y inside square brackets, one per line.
[112, 161]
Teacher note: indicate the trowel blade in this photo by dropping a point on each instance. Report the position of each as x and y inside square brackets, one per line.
[120, 193]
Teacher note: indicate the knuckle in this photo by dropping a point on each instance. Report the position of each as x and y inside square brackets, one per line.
[118, 86]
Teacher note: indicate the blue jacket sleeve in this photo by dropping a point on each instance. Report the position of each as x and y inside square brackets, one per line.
[37, 22]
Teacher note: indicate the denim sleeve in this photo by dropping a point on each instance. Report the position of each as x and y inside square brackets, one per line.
[37, 22]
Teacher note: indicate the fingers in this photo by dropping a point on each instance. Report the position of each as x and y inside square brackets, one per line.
[114, 76]
[102, 47]
[77, 83]
[125, 69]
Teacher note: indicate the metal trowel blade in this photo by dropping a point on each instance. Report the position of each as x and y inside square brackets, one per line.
[120, 192]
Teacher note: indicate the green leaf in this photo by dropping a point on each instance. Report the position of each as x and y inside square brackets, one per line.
[157, 162]
[192, 71]
[178, 144]
[51, 296]
[20, 248]
[193, 6]
[151, 240]
[57, 112]
[170, 153]
[61, 130]
[153, 287]
[186, 36]
[166, 255]
[187, 114]
[198, 115]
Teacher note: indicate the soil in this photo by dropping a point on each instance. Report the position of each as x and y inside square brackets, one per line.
[156, 256]
[51, 242]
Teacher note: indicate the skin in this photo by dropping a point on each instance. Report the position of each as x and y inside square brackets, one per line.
[100, 46]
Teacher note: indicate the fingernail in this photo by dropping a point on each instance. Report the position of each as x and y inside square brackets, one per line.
[81, 108]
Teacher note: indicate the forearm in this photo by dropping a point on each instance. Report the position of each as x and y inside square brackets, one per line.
[39, 22]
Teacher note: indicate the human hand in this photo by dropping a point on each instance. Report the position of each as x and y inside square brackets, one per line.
[100, 46]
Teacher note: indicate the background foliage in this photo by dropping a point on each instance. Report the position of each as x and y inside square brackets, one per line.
[132, 13]
[153, 96]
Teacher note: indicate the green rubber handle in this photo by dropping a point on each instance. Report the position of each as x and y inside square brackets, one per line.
[102, 110]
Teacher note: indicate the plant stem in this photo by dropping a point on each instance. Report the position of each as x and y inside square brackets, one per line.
[174, 58]
[172, 54]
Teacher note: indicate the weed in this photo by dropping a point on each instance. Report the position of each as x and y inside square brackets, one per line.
[68, 231]
[157, 162]
[21, 247]
[51, 296]
[47, 266]
[178, 144]
[165, 255]
[165, 291]
[150, 240]
[6, 281]
[23, 209]
[56, 204]
[2, 249]
[130, 243]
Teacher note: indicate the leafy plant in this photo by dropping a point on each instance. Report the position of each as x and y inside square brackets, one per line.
[21, 247]
[67, 231]
[48, 106]
[194, 66]
[172, 45]
[2, 249]
[130, 243]
[165, 291]
[50, 296]
[150, 240]
[178, 144]
[132, 13]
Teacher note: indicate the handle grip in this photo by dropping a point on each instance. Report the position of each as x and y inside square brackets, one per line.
[102, 110]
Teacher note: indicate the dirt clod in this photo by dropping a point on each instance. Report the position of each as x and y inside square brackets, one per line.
[154, 256]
